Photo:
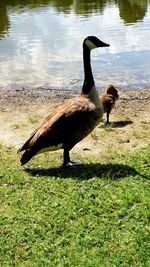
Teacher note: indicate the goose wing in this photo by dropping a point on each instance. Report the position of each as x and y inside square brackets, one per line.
[65, 125]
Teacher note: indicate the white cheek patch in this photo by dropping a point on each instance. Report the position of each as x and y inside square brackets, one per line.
[90, 44]
[50, 148]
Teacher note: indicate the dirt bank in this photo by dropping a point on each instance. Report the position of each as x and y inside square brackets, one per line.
[22, 110]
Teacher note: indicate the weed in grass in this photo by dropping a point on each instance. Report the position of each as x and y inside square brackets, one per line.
[15, 126]
[33, 119]
[18, 126]
[109, 127]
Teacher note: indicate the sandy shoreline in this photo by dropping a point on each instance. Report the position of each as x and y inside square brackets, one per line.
[22, 110]
[23, 98]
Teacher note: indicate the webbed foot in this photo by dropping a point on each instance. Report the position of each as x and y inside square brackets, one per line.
[73, 164]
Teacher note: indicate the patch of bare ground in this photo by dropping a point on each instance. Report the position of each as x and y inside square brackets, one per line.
[21, 111]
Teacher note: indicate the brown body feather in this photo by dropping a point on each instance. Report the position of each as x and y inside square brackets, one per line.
[109, 99]
[67, 124]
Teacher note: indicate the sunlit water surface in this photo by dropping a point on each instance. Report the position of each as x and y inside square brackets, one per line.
[41, 44]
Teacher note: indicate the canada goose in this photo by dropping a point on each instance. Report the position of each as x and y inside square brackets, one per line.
[72, 120]
[108, 100]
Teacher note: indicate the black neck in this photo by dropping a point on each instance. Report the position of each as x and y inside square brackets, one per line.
[88, 76]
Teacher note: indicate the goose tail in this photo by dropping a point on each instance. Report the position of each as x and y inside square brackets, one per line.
[27, 155]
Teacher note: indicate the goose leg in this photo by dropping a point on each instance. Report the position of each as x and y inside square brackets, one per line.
[107, 121]
[107, 118]
[66, 157]
[68, 163]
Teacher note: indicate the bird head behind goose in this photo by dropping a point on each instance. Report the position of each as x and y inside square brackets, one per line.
[93, 42]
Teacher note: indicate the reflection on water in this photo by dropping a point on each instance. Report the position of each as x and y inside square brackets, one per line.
[40, 42]
[131, 11]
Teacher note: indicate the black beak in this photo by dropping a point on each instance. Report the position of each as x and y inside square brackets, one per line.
[107, 45]
[102, 44]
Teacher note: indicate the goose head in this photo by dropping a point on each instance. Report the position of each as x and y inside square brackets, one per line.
[93, 42]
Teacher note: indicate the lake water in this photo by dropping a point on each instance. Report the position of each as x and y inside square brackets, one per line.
[41, 43]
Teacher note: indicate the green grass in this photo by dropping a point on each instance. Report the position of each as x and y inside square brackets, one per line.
[96, 215]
